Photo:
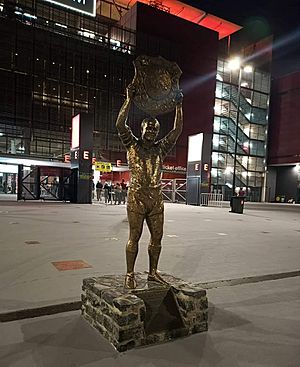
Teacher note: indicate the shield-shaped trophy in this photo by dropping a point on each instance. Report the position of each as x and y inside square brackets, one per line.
[156, 82]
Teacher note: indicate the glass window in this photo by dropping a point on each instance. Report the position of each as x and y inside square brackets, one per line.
[257, 148]
[260, 100]
[3, 143]
[255, 179]
[256, 164]
[261, 81]
[258, 116]
[257, 132]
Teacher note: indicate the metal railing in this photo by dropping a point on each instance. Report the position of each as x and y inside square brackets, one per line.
[174, 191]
[210, 199]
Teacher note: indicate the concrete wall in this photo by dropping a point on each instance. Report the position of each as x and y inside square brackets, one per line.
[286, 182]
[284, 129]
[271, 184]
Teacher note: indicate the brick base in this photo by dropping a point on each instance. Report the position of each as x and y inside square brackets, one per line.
[151, 313]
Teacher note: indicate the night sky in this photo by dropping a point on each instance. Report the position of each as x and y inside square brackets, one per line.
[261, 18]
[278, 16]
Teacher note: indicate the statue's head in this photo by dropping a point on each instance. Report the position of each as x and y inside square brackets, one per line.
[150, 129]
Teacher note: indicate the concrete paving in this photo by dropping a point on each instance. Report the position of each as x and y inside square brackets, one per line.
[255, 324]
[249, 325]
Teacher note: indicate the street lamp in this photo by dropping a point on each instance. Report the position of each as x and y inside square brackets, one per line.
[236, 64]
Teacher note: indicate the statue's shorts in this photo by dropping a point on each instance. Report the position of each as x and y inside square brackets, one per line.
[145, 202]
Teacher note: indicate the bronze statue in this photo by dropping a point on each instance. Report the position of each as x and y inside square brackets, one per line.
[145, 201]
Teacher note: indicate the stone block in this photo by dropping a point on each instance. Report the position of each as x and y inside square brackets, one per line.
[152, 313]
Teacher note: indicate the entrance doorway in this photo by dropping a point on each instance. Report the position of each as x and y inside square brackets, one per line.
[8, 182]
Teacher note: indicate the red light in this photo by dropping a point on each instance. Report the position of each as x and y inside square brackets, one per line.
[194, 15]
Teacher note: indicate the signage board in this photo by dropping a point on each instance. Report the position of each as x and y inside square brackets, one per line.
[75, 131]
[103, 166]
[172, 168]
[87, 7]
[81, 158]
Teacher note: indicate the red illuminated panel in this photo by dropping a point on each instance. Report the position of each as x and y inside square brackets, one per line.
[70, 265]
[75, 131]
[194, 15]
[223, 27]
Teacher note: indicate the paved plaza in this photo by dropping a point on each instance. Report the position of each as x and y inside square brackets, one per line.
[249, 264]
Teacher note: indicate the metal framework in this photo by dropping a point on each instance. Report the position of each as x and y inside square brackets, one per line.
[55, 64]
[174, 190]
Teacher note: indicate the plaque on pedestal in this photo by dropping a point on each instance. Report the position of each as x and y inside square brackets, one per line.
[161, 310]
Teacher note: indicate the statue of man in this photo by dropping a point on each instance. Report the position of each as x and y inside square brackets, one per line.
[145, 201]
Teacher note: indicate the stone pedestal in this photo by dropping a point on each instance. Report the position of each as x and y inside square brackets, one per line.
[151, 313]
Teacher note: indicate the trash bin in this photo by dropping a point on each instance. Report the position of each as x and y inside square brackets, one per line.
[237, 204]
[280, 198]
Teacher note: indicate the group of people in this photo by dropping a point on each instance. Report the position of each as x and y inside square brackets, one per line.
[8, 189]
[112, 193]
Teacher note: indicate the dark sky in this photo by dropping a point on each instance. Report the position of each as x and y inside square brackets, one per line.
[261, 18]
[279, 16]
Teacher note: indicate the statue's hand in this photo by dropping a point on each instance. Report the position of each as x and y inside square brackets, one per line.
[179, 97]
[130, 91]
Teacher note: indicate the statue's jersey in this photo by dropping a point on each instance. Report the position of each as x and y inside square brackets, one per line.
[145, 163]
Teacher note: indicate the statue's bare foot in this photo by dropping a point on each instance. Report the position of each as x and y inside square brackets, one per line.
[130, 281]
[155, 277]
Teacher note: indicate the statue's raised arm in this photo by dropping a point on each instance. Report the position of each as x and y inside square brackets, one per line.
[178, 121]
[170, 139]
[121, 123]
[124, 130]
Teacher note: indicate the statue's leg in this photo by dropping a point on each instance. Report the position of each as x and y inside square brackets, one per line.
[155, 224]
[136, 221]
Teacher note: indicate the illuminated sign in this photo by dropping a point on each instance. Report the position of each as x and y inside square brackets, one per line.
[75, 131]
[171, 168]
[83, 6]
[103, 166]
[86, 154]
[195, 147]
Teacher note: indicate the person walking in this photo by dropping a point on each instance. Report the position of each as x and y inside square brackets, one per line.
[99, 188]
[118, 193]
[124, 191]
[106, 192]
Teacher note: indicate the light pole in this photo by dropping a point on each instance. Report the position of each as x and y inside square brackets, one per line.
[235, 64]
